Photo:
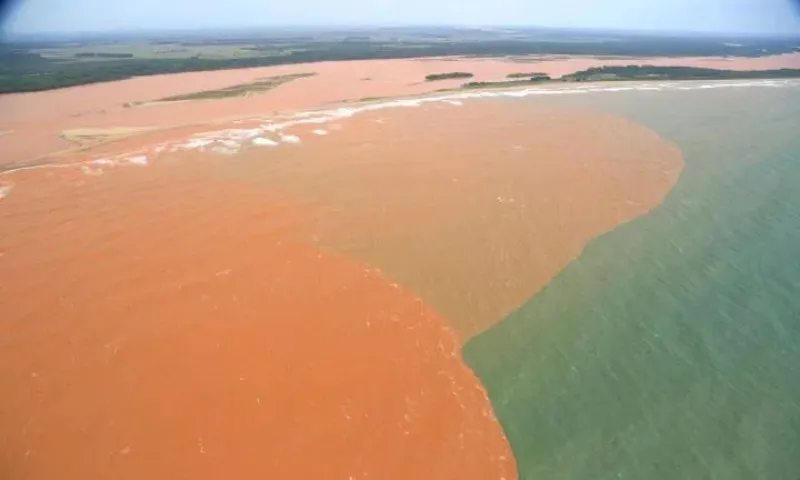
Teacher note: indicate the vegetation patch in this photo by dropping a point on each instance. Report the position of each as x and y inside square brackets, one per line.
[372, 99]
[447, 76]
[651, 72]
[520, 75]
[508, 83]
[239, 90]
[102, 55]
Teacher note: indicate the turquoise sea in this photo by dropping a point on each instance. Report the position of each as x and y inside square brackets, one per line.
[670, 349]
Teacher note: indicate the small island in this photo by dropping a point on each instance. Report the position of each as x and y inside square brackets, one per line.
[261, 85]
[447, 76]
[528, 75]
[508, 83]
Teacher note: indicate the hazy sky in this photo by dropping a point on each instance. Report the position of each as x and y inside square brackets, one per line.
[755, 16]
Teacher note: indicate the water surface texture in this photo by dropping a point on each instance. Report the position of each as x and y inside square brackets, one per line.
[287, 297]
[671, 347]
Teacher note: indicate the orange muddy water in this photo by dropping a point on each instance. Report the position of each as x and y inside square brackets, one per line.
[296, 310]
[163, 323]
[476, 207]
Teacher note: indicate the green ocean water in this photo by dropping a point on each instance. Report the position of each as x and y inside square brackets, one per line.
[670, 349]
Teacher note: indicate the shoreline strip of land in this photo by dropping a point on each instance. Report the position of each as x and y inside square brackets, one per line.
[38, 121]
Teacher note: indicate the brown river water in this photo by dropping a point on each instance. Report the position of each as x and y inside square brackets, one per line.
[297, 310]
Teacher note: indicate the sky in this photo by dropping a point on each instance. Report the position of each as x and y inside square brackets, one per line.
[740, 16]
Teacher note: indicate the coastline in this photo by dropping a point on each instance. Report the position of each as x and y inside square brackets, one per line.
[244, 128]
[37, 120]
[480, 277]
[111, 136]
[162, 227]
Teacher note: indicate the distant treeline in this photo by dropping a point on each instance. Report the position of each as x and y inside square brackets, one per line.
[103, 55]
[651, 72]
[21, 69]
[447, 76]
[643, 72]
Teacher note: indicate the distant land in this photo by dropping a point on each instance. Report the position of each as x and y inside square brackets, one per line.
[49, 61]
[611, 73]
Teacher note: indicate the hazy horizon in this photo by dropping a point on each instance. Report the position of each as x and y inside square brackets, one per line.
[761, 17]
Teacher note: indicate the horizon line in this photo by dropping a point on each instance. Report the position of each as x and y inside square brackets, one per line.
[7, 34]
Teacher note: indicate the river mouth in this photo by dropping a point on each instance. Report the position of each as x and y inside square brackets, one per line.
[308, 292]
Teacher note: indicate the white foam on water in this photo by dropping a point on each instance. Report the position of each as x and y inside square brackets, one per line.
[198, 143]
[304, 114]
[247, 133]
[223, 150]
[408, 103]
[266, 127]
[231, 140]
[92, 172]
[137, 160]
[264, 142]
[233, 134]
[326, 116]
[229, 143]
[290, 139]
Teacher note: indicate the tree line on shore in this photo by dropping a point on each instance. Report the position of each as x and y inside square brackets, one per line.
[23, 69]
[641, 72]
[653, 72]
